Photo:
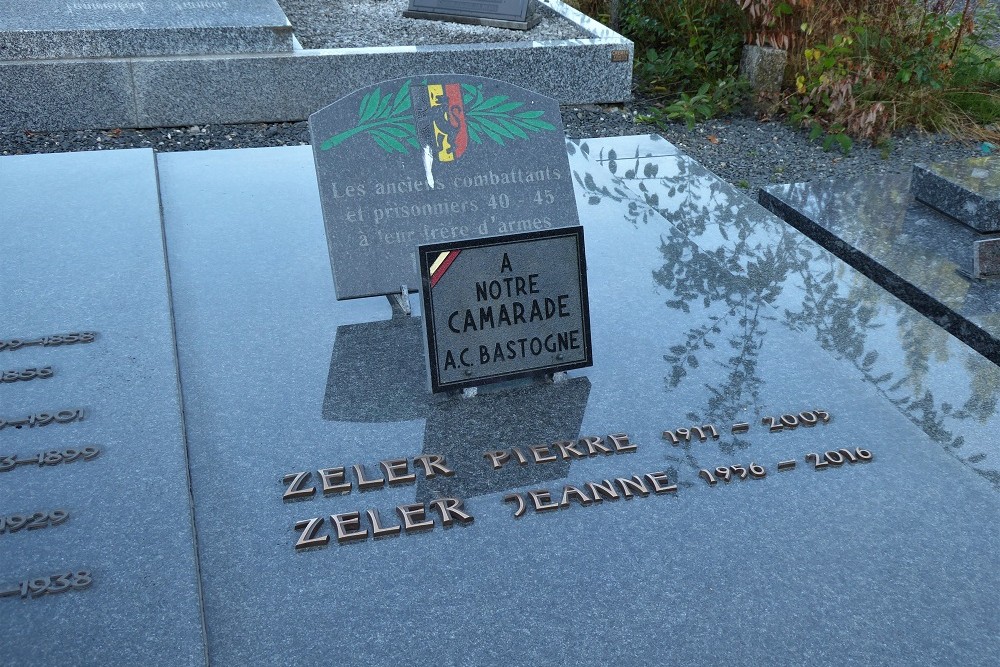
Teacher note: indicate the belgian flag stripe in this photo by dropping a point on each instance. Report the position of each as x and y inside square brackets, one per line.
[441, 264]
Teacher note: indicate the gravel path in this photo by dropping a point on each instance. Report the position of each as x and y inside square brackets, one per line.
[740, 149]
[332, 24]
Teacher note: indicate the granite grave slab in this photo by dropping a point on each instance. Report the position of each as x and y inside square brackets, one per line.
[709, 316]
[967, 191]
[96, 530]
[75, 29]
[770, 451]
[434, 158]
[906, 355]
[918, 253]
[163, 91]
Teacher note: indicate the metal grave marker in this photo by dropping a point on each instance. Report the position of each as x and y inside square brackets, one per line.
[430, 159]
[512, 14]
[505, 307]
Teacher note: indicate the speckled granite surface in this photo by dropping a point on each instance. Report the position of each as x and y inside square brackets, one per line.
[706, 311]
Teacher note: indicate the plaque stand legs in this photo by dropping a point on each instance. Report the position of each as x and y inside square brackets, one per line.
[400, 303]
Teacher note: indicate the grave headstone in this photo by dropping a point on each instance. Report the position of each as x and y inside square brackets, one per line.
[425, 159]
[501, 308]
[49, 29]
[513, 14]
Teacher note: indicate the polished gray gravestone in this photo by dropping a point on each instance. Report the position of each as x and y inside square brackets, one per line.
[707, 312]
[85, 301]
[60, 29]
[710, 318]
[498, 13]
[434, 158]
[921, 255]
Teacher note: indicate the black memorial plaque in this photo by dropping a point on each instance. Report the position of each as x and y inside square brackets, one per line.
[435, 158]
[505, 307]
[499, 13]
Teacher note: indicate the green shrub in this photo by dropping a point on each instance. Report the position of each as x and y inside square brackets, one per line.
[688, 55]
[901, 63]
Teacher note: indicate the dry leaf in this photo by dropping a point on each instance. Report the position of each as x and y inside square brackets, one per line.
[712, 138]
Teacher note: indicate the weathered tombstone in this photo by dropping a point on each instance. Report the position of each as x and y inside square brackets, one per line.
[48, 29]
[501, 308]
[434, 158]
[512, 14]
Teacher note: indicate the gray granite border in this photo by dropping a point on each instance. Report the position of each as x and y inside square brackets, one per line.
[190, 90]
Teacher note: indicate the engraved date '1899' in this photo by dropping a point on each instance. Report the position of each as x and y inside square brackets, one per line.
[26, 374]
[48, 458]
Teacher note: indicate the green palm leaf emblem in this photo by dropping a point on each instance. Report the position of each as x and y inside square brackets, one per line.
[386, 119]
[495, 117]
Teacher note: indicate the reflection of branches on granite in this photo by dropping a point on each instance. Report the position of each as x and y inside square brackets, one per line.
[982, 403]
[923, 345]
[843, 323]
[637, 210]
[742, 305]
[726, 253]
[378, 375]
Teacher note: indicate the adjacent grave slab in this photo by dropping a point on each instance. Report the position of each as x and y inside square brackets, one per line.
[83, 254]
[72, 29]
[706, 311]
[967, 191]
[247, 88]
[921, 255]
[438, 157]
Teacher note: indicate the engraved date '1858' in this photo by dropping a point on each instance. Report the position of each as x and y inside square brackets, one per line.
[48, 341]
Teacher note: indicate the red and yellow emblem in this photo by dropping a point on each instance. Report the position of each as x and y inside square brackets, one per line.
[450, 144]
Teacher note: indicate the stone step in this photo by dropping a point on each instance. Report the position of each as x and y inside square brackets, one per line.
[967, 191]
